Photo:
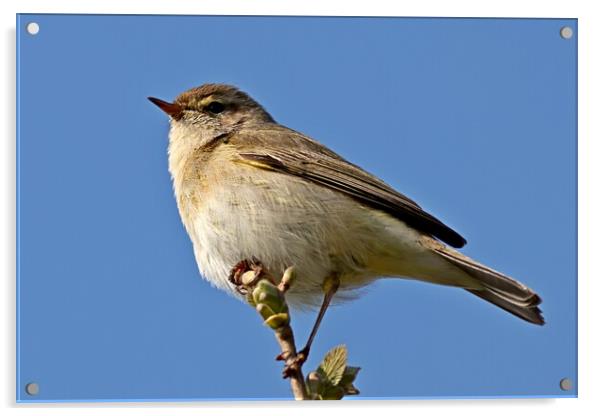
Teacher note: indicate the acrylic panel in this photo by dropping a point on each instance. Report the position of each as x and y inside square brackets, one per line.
[474, 119]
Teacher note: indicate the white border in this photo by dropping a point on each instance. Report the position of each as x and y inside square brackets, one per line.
[590, 113]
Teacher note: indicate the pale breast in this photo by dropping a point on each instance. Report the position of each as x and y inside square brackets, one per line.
[234, 211]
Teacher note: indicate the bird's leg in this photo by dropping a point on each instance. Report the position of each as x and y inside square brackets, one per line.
[330, 287]
[241, 268]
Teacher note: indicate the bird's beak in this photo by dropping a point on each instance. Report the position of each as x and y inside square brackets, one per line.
[171, 109]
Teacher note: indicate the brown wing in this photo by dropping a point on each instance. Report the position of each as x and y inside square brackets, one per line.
[286, 151]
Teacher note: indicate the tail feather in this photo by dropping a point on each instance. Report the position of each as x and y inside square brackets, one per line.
[498, 289]
[528, 313]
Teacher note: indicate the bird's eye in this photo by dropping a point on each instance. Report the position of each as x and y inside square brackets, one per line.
[215, 107]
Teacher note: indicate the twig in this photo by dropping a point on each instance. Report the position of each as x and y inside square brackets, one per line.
[269, 300]
[293, 370]
[333, 379]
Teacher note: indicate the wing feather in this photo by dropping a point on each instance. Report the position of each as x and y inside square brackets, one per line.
[308, 159]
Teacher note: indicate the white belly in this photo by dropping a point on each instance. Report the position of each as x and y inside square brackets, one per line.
[285, 221]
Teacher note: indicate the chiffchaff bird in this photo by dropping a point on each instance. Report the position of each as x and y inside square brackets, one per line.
[247, 187]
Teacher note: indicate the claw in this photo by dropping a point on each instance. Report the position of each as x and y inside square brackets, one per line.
[287, 372]
[295, 364]
[237, 271]
[302, 356]
[236, 274]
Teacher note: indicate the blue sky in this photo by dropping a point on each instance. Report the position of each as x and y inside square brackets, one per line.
[473, 118]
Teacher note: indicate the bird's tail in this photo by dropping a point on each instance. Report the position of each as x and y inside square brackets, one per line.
[498, 289]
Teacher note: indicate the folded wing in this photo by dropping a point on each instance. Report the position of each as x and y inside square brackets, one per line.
[319, 165]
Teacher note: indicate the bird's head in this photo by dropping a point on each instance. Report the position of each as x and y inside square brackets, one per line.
[213, 108]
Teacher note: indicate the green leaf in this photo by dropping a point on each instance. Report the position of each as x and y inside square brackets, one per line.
[332, 393]
[250, 299]
[267, 293]
[265, 311]
[333, 365]
[278, 320]
[347, 380]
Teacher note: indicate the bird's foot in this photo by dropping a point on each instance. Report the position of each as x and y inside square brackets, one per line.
[302, 356]
[239, 278]
[295, 364]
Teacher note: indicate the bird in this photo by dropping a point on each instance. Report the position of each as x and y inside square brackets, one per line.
[247, 187]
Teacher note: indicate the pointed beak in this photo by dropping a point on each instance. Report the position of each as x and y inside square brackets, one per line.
[171, 109]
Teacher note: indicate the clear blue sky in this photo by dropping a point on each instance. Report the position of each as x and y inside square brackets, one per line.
[474, 119]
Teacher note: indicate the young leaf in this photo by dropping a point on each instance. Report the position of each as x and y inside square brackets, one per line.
[333, 365]
[347, 380]
[278, 320]
[332, 393]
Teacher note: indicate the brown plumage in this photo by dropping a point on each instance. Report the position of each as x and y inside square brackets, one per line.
[249, 187]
